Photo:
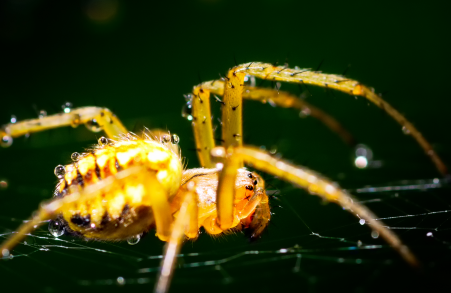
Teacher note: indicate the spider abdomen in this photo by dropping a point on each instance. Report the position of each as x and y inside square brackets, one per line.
[125, 209]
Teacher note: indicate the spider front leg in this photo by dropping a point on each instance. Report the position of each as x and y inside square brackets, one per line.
[340, 83]
[303, 178]
[95, 118]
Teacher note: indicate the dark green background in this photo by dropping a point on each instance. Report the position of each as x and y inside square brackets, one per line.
[140, 62]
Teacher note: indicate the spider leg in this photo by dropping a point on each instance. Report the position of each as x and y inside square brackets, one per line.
[285, 100]
[95, 118]
[340, 83]
[304, 178]
[50, 210]
[185, 223]
[203, 130]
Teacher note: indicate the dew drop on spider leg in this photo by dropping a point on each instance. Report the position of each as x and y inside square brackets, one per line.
[67, 107]
[405, 130]
[42, 114]
[93, 125]
[56, 228]
[305, 112]
[13, 119]
[134, 239]
[375, 234]
[6, 141]
[60, 171]
[187, 111]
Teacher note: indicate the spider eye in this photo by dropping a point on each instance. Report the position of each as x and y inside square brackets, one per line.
[249, 187]
[255, 182]
[250, 175]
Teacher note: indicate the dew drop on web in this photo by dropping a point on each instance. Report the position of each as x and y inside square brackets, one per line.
[56, 228]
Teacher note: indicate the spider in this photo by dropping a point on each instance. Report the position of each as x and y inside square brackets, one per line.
[127, 185]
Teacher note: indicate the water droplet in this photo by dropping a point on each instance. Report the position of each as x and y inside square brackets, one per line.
[13, 119]
[75, 157]
[187, 111]
[165, 138]
[362, 221]
[120, 281]
[75, 121]
[219, 166]
[436, 181]
[56, 228]
[405, 130]
[305, 112]
[103, 141]
[67, 107]
[375, 234]
[42, 114]
[6, 141]
[361, 162]
[188, 97]
[359, 243]
[5, 252]
[59, 171]
[3, 184]
[175, 139]
[218, 152]
[429, 234]
[134, 239]
[273, 150]
[93, 125]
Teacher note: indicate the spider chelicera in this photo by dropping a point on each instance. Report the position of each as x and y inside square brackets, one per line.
[128, 184]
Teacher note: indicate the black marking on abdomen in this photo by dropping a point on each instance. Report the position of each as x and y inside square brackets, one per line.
[124, 214]
[79, 178]
[63, 192]
[118, 167]
[105, 219]
[81, 221]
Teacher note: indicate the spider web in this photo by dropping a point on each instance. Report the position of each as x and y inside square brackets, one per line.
[308, 246]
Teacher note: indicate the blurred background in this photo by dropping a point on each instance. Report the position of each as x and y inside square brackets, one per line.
[138, 58]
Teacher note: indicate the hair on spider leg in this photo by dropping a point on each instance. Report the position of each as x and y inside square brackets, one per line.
[346, 70]
[329, 92]
[319, 66]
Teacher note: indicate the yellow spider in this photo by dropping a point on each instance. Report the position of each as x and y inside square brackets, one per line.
[127, 185]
